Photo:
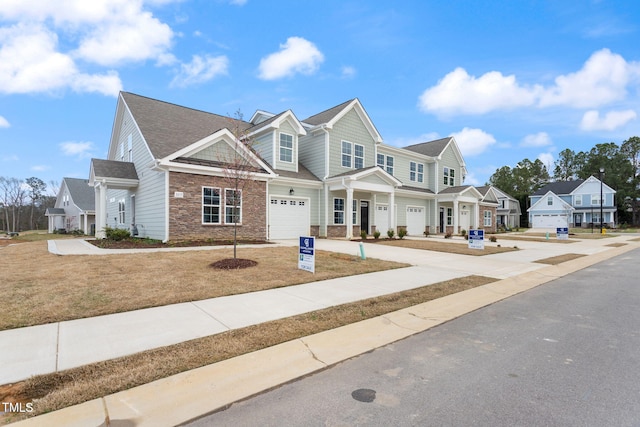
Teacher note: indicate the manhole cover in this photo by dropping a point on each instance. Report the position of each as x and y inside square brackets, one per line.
[364, 395]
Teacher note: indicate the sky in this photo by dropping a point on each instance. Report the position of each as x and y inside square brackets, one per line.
[508, 79]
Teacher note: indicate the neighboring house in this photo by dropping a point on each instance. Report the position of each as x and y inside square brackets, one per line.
[74, 208]
[327, 175]
[572, 204]
[489, 208]
[508, 211]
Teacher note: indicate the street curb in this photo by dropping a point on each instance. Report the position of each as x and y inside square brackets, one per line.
[193, 394]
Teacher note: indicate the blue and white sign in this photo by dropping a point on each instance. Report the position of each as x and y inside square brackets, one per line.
[562, 233]
[476, 239]
[307, 254]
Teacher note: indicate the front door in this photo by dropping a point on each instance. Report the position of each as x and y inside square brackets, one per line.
[364, 216]
[442, 220]
[577, 220]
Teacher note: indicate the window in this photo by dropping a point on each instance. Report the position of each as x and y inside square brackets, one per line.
[385, 162]
[416, 172]
[449, 176]
[210, 205]
[354, 218]
[346, 154]
[550, 201]
[487, 218]
[274, 201]
[121, 211]
[338, 211]
[232, 206]
[358, 156]
[286, 148]
[578, 200]
[595, 200]
[449, 216]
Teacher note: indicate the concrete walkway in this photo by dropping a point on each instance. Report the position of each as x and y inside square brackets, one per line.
[47, 348]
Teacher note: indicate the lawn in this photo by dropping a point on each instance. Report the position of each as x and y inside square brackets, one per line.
[39, 287]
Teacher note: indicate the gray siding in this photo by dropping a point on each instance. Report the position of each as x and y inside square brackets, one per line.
[311, 193]
[449, 160]
[311, 153]
[350, 128]
[286, 128]
[263, 145]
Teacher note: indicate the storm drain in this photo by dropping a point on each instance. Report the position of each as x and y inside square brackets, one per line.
[364, 395]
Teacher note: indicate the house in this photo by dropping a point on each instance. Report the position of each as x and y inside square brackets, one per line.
[489, 207]
[572, 204]
[508, 212]
[74, 208]
[166, 176]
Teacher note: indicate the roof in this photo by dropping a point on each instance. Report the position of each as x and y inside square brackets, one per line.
[303, 173]
[326, 115]
[168, 127]
[417, 189]
[456, 189]
[430, 148]
[54, 211]
[484, 189]
[113, 169]
[82, 194]
[559, 187]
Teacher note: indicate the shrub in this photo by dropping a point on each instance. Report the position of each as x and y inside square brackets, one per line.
[463, 232]
[447, 235]
[376, 234]
[363, 235]
[116, 233]
[390, 233]
[426, 233]
[493, 239]
[401, 233]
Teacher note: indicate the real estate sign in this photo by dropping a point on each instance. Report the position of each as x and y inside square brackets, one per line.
[476, 239]
[306, 254]
[562, 233]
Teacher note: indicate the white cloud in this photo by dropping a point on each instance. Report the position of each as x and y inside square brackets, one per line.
[348, 72]
[548, 160]
[473, 141]
[611, 121]
[4, 123]
[604, 78]
[201, 69]
[540, 139]
[458, 92]
[470, 179]
[40, 168]
[297, 55]
[80, 149]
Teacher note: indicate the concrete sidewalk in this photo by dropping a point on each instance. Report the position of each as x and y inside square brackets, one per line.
[179, 398]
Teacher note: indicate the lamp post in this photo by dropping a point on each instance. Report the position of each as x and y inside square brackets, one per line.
[601, 218]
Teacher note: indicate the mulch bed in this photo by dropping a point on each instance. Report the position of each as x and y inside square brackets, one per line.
[233, 264]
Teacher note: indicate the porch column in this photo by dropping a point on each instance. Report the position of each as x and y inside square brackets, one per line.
[455, 216]
[101, 209]
[476, 217]
[348, 211]
[392, 210]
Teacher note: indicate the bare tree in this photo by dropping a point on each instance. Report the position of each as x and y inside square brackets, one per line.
[37, 188]
[14, 196]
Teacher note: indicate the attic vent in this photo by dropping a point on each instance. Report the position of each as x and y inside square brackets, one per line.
[178, 194]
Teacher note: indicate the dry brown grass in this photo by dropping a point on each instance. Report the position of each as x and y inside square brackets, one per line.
[39, 287]
[552, 239]
[555, 260]
[616, 245]
[441, 246]
[59, 390]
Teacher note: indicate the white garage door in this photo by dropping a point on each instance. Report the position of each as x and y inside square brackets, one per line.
[549, 221]
[415, 221]
[382, 219]
[288, 218]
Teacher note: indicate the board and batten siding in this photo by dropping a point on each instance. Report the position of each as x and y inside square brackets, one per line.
[349, 128]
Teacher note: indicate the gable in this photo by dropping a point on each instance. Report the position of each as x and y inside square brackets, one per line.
[550, 202]
[592, 186]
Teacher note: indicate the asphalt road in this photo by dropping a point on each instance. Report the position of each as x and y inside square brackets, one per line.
[566, 353]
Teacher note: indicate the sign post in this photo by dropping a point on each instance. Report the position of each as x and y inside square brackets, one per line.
[476, 239]
[562, 233]
[306, 254]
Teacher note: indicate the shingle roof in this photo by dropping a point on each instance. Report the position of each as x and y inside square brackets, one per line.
[484, 189]
[430, 148]
[456, 189]
[168, 127]
[417, 189]
[82, 195]
[303, 173]
[55, 211]
[559, 188]
[113, 169]
[326, 115]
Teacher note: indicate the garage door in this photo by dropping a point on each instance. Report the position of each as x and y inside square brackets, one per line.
[382, 219]
[288, 218]
[415, 221]
[549, 221]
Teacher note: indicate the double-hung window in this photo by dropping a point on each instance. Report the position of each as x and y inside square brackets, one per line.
[487, 218]
[210, 205]
[346, 154]
[121, 211]
[449, 176]
[354, 213]
[595, 200]
[286, 148]
[449, 216]
[232, 206]
[549, 200]
[577, 200]
[338, 211]
[385, 162]
[416, 172]
[358, 156]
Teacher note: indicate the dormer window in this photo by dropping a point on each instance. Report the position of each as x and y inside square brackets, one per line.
[286, 148]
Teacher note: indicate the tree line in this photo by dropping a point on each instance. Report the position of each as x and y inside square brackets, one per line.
[620, 163]
[23, 203]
